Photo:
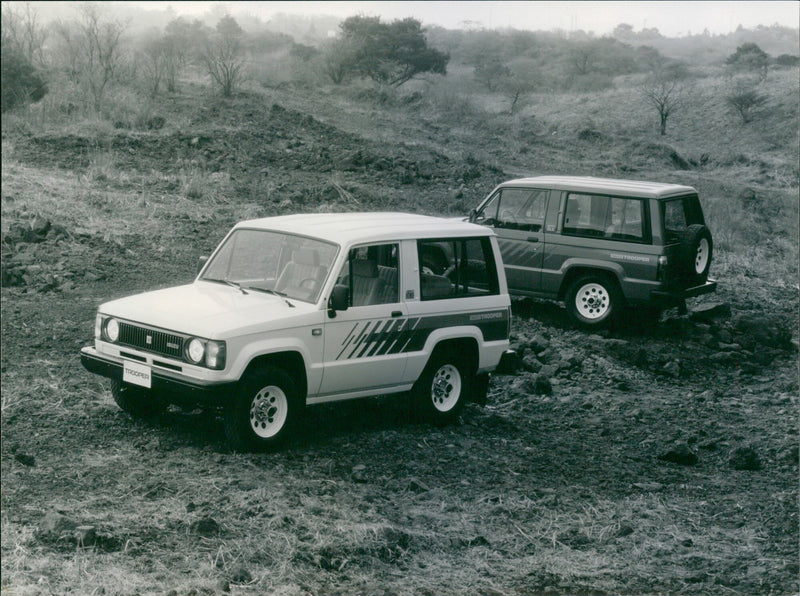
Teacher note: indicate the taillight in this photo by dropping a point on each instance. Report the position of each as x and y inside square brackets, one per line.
[663, 262]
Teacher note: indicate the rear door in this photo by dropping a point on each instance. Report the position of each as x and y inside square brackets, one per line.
[517, 216]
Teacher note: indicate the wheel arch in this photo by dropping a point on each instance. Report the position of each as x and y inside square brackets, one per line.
[466, 347]
[577, 271]
[292, 362]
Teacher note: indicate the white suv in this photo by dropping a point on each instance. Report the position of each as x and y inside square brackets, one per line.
[299, 310]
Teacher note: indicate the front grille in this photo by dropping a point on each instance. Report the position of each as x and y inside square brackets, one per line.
[150, 340]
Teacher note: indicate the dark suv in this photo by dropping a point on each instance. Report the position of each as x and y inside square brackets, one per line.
[599, 244]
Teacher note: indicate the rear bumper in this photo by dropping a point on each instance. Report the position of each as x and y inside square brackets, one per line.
[175, 390]
[675, 296]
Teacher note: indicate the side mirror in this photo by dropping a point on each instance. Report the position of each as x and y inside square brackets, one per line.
[201, 262]
[339, 300]
[473, 215]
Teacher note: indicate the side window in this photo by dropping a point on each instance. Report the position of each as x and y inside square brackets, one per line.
[488, 215]
[626, 220]
[596, 216]
[470, 269]
[371, 273]
[522, 209]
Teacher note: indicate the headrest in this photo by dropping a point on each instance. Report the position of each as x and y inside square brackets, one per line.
[365, 268]
[305, 256]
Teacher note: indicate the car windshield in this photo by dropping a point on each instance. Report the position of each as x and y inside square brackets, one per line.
[273, 262]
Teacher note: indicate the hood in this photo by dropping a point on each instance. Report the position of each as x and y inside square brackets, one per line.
[207, 309]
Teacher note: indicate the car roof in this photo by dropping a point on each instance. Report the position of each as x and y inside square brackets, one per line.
[352, 228]
[633, 188]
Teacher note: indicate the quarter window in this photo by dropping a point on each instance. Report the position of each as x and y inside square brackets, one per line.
[468, 269]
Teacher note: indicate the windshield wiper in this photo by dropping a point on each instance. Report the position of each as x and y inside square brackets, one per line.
[232, 284]
[274, 293]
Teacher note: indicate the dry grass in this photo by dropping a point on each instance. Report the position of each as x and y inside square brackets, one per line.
[527, 508]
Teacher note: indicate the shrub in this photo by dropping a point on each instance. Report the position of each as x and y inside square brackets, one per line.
[20, 82]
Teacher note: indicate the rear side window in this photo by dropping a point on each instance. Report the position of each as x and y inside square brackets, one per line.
[679, 214]
[469, 269]
[598, 216]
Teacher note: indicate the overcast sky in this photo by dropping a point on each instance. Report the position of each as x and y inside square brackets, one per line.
[670, 18]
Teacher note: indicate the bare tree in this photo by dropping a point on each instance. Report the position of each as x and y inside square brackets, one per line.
[92, 50]
[519, 80]
[22, 32]
[223, 56]
[666, 94]
[153, 59]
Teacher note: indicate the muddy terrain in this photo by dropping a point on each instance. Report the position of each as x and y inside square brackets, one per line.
[654, 457]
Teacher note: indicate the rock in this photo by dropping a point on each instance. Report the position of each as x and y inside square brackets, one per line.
[681, 454]
[539, 344]
[765, 331]
[531, 363]
[85, 536]
[416, 485]
[542, 385]
[240, 575]
[791, 455]
[54, 525]
[25, 459]
[359, 473]
[708, 313]
[745, 458]
[723, 357]
[548, 370]
[672, 368]
[648, 486]
[624, 530]
[223, 585]
[205, 526]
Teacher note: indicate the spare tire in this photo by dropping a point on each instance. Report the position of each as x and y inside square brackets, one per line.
[696, 254]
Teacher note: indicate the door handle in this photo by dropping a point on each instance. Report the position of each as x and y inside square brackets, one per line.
[397, 313]
[533, 239]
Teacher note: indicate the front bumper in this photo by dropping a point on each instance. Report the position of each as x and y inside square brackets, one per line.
[180, 391]
[672, 297]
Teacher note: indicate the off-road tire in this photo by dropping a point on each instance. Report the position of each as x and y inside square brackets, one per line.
[263, 411]
[696, 254]
[137, 402]
[443, 388]
[593, 301]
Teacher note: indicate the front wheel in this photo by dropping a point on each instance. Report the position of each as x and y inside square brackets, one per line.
[443, 387]
[138, 402]
[263, 411]
[593, 301]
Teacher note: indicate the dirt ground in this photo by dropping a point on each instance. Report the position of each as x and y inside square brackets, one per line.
[656, 457]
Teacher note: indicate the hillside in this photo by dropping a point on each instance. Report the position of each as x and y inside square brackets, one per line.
[657, 457]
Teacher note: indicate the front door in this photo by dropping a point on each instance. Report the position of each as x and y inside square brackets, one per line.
[358, 341]
[517, 216]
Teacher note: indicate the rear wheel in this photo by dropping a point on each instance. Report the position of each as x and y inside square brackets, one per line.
[443, 388]
[263, 411]
[137, 401]
[593, 301]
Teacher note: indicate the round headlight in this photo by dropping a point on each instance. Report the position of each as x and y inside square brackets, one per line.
[112, 330]
[195, 351]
